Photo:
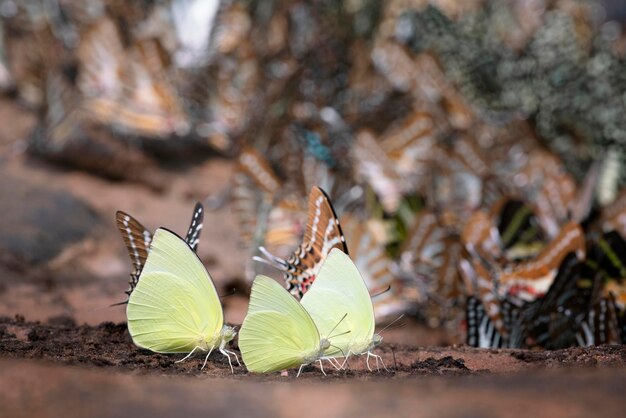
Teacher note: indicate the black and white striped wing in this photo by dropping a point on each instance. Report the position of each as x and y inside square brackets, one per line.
[481, 331]
[195, 227]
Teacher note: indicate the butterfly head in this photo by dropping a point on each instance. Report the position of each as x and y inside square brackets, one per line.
[324, 344]
[376, 340]
[228, 333]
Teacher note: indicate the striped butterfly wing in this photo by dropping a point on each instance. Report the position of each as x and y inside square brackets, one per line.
[150, 106]
[601, 326]
[481, 331]
[552, 320]
[322, 234]
[480, 237]
[137, 239]
[533, 278]
[255, 187]
[374, 168]
[195, 227]
[479, 285]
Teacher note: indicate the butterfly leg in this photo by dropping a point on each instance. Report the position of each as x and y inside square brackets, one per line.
[322, 367]
[206, 359]
[367, 361]
[234, 354]
[188, 355]
[377, 357]
[230, 363]
[345, 362]
[227, 353]
[300, 370]
[333, 361]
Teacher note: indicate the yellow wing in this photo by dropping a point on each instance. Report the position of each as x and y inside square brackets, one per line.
[277, 332]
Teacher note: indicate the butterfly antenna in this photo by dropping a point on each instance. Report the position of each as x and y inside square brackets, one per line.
[335, 327]
[381, 292]
[339, 348]
[391, 323]
[339, 335]
[119, 303]
[271, 260]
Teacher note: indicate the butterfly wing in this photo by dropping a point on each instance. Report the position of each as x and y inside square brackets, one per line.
[372, 261]
[322, 234]
[175, 306]
[277, 332]
[195, 227]
[340, 290]
[137, 239]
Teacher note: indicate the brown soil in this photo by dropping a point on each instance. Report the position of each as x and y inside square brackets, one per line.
[108, 345]
[97, 371]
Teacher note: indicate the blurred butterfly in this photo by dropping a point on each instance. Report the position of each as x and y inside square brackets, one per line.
[396, 163]
[267, 216]
[322, 233]
[428, 261]
[138, 239]
[174, 307]
[127, 88]
[480, 289]
[552, 321]
[531, 279]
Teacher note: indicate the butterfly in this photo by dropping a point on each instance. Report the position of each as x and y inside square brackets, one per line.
[322, 233]
[481, 331]
[277, 332]
[553, 320]
[137, 239]
[428, 260]
[126, 88]
[395, 164]
[339, 302]
[174, 307]
[533, 278]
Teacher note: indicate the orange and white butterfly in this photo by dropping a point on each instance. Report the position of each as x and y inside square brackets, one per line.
[532, 279]
[321, 234]
[396, 163]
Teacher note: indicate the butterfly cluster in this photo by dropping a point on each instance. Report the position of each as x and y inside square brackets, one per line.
[173, 306]
[473, 151]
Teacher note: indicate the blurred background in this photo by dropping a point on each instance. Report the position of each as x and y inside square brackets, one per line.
[473, 150]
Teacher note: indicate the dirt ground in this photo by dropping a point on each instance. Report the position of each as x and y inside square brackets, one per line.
[65, 352]
[60, 368]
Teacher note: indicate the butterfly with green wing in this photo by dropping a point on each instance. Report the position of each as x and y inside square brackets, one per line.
[339, 290]
[277, 332]
[175, 307]
[138, 238]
